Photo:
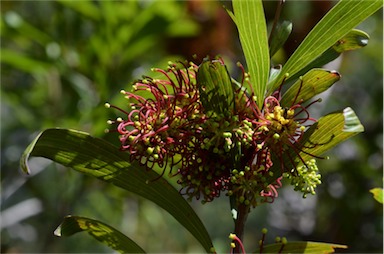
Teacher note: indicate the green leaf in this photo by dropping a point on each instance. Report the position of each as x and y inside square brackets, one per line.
[303, 247]
[311, 84]
[329, 131]
[338, 22]
[85, 8]
[98, 158]
[250, 21]
[377, 194]
[23, 63]
[280, 36]
[355, 39]
[100, 231]
[215, 87]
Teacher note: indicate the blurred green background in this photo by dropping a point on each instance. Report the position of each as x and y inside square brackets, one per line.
[62, 60]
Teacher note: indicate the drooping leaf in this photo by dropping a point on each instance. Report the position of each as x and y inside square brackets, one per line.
[100, 231]
[250, 21]
[279, 37]
[338, 22]
[98, 158]
[377, 194]
[303, 247]
[215, 87]
[311, 84]
[329, 131]
[355, 39]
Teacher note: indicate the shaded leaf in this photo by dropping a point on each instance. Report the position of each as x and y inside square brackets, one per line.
[26, 29]
[85, 8]
[377, 194]
[279, 37]
[337, 23]
[303, 247]
[23, 63]
[329, 131]
[100, 231]
[98, 158]
[250, 22]
[215, 87]
[311, 84]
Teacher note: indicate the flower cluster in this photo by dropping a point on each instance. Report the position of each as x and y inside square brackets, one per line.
[169, 126]
[306, 178]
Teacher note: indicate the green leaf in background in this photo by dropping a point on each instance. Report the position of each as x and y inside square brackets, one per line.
[14, 20]
[338, 22]
[215, 87]
[22, 62]
[311, 84]
[98, 158]
[279, 37]
[100, 231]
[250, 21]
[355, 39]
[85, 8]
[329, 131]
[377, 194]
[303, 247]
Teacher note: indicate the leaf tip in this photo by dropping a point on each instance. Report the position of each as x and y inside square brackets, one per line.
[351, 121]
[57, 231]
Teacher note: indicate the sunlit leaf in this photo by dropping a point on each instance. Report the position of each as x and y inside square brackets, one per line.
[100, 231]
[355, 39]
[250, 21]
[377, 194]
[98, 158]
[311, 84]
[329, 131]
[338, 22]
[303, 247]
[280, 36]
[215, 87]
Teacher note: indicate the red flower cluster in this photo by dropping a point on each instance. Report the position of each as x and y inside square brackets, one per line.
[169, 127]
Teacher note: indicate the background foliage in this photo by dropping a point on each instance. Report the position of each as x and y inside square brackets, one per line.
[63, 60]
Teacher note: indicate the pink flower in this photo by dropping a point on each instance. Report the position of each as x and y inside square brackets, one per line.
[169, 127]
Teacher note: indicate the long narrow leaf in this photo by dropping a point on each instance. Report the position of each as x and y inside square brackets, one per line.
[355, 39]
[303, 247]
[341, 19]
[98, 158]
[100, 231]
[250, 21]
